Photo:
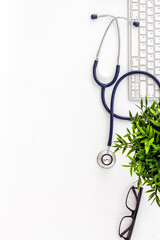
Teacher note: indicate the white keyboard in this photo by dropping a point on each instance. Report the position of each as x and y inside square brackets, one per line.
[144, 48]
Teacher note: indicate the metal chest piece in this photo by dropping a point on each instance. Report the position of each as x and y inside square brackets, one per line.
[106, 159]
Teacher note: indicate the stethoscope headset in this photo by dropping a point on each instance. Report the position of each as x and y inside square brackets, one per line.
[106, 158]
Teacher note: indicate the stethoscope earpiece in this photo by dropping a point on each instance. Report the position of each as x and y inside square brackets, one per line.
[106, 159]
[136, 24]
[94, 16]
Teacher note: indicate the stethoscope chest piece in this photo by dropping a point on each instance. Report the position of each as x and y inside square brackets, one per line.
[106, 159]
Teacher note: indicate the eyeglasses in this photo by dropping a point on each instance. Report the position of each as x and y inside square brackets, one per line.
[132, 203]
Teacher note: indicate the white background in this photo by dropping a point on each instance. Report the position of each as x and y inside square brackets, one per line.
[53, 125]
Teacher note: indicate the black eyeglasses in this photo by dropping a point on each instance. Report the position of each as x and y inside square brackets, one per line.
[132, 203]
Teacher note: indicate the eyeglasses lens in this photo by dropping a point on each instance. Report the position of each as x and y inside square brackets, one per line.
[131, 199]
[125, 226]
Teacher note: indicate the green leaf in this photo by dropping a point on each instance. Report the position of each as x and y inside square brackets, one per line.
[131, 171]
[116, 150]
[151, 141]
[131, 158]
[124, 149]
[139, 184]
[130, 151]
[136, 117]
[140, 129]
[144, 140]
[130, 115]
[141, 103]
[147, 129]
[155, 123]
[139, 167]
[153, 112]
[128, 131]
[151, 190]
[157, 139]
[146, 101]
[150, 131]
[158, 201]
[147, 147]
[151, 196]
[125, 165]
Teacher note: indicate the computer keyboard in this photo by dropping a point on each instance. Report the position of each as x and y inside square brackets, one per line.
[144, 48]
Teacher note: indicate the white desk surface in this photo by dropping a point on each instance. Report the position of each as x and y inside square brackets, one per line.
[53, 125]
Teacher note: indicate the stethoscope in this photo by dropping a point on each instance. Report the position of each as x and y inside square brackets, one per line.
[106, 158]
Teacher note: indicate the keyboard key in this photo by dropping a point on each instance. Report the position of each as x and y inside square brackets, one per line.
[149, 3]
[142, 53]
[150, 91]
[157, 94]
[157, 24]
[157, 48]
[133, 94]
[134, 15]
[157, 9]
[150, 42]
[134, 69]
[157, 32]
[134, 62]
[142, 1]
[150, 81]
[133, 86]
[156, 86]
[142, 23]
[142, 38]
[157, 2]
[150, 19]
[142, 61]
[142, 8]
[157, 17]
[142, 15]
[133, 78]
[143, 68]
[150, 71]
[149, 11]
[150, 34]
[142, 46]
[134, 6]
[142, 77]
[150, 50]
[157, 63]
[150, 26]
[157, 71]
[142, 30]
[136, 86]
[150, 64]
[157, 55]
[150, 57]
[142, 89]
[157, 39]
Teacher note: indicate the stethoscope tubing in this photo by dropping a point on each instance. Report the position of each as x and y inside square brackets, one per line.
[105, 84]
[116, 83]
[113, 98]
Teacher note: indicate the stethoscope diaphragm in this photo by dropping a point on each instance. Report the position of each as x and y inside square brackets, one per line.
[106, 159]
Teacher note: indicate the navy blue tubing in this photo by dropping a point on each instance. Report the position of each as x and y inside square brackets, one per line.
[113, 96]
[103, 85]
[107, 108]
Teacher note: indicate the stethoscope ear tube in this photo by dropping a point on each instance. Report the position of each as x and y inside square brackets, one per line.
[104, 85]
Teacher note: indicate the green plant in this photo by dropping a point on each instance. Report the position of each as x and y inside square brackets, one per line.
[143, 146]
